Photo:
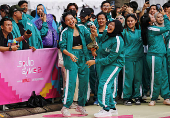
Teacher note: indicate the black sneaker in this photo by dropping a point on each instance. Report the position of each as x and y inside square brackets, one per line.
[137, 102]
[128, 103]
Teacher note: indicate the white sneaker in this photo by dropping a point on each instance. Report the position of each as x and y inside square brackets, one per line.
[114, 112]
[65, 112]
[81, 110]
[103, 113]
[73, 105]
[144, 97]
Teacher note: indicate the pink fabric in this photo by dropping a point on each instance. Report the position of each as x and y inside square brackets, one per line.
[165, 117]
[24, 71]
[60, 115]
[79, 115]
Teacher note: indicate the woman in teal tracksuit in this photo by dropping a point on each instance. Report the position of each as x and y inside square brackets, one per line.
[75, 54]
[111, 49]
[133, 60]
[156, 57]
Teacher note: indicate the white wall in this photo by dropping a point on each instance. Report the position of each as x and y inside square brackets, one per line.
[57, 7]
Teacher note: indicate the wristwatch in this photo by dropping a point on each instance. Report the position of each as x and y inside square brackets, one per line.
[10, 49]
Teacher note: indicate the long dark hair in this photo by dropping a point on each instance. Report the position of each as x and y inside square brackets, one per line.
[145, 19]
[133, 16]
[64, 16]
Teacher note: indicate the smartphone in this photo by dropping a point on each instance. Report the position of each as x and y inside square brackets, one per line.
[28, 31]
[89, 25]
[159, 7]
[112, 3]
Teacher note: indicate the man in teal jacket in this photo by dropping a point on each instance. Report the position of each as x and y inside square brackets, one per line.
[24, 4]
[18, 22]
[106, 8]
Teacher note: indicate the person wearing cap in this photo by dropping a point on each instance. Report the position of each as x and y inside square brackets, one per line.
[6, 36]
[19, 27]
[4, 10]
[24, 4]
[106, 8]
[85, 15]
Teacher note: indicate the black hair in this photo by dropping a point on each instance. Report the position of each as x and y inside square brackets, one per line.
[104, 3]
[5, 8]
[102, 13]
[3, 20]
[152, 6]
[145, 19]
[72, 4]
[118, 29]
[54, 17]
[22, 2]
[133, 16]
[63, 18]
[92, 10]
[133, 5]
[33, 13]
[39, 5]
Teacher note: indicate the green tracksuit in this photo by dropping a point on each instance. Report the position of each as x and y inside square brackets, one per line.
[35, 40]
[157, 61]
[133, 63]
[109, 18]
[167, 39]
[72, 68]
[111, 61]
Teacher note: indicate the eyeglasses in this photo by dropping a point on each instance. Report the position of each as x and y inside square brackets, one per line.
[119, 18]
[106, 6]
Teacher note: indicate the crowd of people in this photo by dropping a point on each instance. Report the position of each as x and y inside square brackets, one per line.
[120, 52]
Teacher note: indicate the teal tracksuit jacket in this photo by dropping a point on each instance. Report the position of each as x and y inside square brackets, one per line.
[157, 61]
[133, 63]
[74, 68]
[111, 61]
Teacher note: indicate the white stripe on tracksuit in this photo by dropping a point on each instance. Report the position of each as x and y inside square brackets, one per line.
[123, 80]
[152, 82]
[114, 91]
[66, 89]
[105, 86]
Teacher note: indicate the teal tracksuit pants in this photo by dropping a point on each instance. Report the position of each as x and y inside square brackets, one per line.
[146, 77]
[107, 86]
[168, 65]
[132, 79]
[159, 77]
[82, 69]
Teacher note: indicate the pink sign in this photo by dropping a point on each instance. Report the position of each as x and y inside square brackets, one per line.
[24, 71]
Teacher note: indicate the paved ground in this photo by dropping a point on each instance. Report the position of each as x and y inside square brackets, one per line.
[140, 111]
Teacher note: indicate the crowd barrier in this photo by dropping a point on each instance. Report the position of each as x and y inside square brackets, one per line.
[24, 71]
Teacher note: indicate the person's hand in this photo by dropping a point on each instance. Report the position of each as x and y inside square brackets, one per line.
[129, 10]
[26, 36]
[93, 31]
[73, 58]
[90, 63]
[123, 8]
[146, 5]
[43, 17]
[93, 51]
[110, 8]
[14, 47]
[33, 48]
[162, 11]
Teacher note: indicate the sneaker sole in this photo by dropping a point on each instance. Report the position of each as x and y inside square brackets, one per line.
[103, 116]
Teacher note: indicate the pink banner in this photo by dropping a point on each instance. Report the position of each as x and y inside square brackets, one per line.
[24, 71]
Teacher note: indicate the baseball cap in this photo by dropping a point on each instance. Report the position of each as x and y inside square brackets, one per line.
[4, 7]
[85, 12]
[15, 8]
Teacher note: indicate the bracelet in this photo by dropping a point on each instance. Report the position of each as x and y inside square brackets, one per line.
[24, 39]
